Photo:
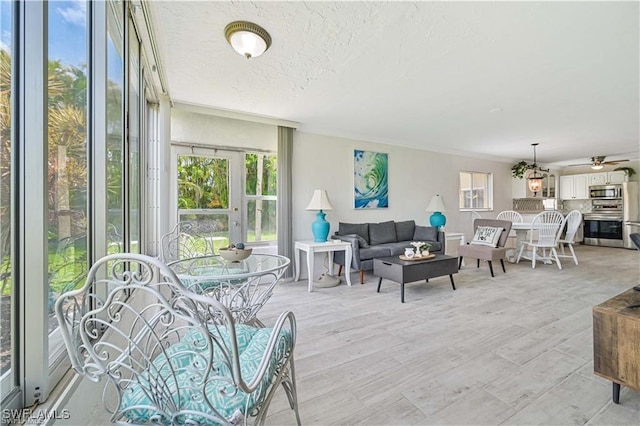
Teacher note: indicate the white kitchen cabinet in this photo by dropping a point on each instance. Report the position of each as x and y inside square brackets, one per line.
[574, 187]
[598, 178]
[604, 178]
[617, 176]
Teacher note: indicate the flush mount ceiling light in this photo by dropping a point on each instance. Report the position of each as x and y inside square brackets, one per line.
[248, 39]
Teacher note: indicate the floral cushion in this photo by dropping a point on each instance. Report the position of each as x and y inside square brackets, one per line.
[177, 373]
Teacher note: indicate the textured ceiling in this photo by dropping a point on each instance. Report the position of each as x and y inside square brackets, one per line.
[484, 79]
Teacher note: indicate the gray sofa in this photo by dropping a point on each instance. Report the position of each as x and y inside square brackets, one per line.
[374, 240]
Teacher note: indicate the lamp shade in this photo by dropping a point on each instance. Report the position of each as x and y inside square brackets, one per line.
[436, 204]
[320, 201]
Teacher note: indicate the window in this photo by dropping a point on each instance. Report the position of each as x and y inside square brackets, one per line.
[70, 186]
[7, 338]
[476, 191]
[67, 181]
[260, 174]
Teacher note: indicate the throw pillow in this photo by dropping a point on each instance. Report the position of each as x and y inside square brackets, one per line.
[362, 243]
[361, 229]
[487, 236]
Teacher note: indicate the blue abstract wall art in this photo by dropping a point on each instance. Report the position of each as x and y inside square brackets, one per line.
[370, 179]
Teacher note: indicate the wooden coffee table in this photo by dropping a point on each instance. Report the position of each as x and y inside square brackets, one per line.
[406, 271]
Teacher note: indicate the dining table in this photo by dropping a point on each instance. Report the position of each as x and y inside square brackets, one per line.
[243, 286]
[522, 230]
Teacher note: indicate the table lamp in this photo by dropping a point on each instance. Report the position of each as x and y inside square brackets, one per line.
[320, 201]
[437, 207]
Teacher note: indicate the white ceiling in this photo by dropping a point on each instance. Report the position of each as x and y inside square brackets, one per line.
[484, 79]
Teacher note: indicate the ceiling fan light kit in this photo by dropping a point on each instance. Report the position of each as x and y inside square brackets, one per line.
[598, 163]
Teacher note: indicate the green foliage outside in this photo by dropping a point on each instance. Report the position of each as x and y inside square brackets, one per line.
[67, 179]
[203, 183]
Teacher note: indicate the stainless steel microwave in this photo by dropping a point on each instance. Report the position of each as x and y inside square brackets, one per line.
[605, 191]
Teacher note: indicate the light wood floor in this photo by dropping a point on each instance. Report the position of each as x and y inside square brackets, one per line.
[514, 349]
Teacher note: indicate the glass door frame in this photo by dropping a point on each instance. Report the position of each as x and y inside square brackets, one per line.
[235, 210]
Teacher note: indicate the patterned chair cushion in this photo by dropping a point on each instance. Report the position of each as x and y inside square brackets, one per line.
[487, 236]
[178, 371]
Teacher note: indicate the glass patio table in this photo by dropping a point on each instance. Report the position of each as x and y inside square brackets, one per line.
[243, 286]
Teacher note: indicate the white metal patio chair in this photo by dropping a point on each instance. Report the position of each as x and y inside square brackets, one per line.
[548, 226]
[170, 356]
[573, 221]
[183, 242]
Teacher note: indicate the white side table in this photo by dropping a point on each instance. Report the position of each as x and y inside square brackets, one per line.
[311, 247]
[450, 249]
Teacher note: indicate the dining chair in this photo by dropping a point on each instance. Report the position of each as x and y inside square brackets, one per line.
[545, 231]
[510, 215]
[183, 242]
[170, 356]
[514, 217]
[573, 221]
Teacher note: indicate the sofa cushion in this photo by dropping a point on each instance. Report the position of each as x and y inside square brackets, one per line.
[426, 233]
[405, 230]
[435, 246]
[374, 252]
[383, 232]
[396, 249]
[361, 229]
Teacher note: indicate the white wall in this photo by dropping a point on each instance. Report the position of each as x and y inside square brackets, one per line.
[190, 127]
[325, 162]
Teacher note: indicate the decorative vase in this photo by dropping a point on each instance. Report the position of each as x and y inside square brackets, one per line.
[320, 228]
[408, 252]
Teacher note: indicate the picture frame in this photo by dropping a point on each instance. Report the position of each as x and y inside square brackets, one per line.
[370, 179]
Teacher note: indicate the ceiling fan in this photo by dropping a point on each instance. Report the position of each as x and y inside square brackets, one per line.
[598, 162]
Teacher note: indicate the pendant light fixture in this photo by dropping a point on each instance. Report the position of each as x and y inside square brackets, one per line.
[248, 39]
[534, 179]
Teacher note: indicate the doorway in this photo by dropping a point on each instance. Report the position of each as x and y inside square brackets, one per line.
[207, 192]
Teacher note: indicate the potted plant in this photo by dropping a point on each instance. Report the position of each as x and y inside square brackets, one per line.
[518, 170]
[424, 249]
[628, 171]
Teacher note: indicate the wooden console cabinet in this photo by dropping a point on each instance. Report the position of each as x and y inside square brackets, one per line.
[616, 341]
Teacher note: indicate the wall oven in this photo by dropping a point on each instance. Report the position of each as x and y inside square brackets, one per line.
[603, 230]
[613, 209]
[605, 191]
